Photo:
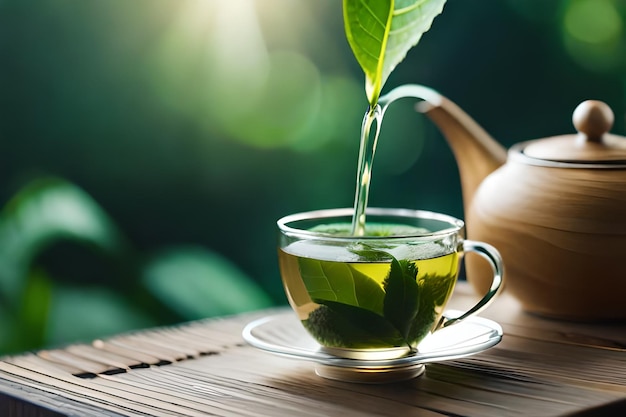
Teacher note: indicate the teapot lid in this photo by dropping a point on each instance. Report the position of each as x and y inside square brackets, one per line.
[592, 145]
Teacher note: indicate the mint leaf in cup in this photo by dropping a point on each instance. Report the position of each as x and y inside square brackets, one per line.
[381, 32]
[401, 302]
[434, 291]
[373, 300]
[344, 326]
[340, 282]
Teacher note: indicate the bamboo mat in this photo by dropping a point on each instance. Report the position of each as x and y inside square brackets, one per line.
[541, 368]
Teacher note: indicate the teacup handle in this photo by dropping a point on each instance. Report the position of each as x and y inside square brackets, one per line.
[492, 255]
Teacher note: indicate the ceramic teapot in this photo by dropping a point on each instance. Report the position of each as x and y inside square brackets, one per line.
[554, 207]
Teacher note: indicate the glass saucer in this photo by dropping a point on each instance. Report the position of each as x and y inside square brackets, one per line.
[284, 335]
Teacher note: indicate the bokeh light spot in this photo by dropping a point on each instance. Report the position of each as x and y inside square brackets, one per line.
[593, 21]
[338, 120]
[593, 34]
[283, 110]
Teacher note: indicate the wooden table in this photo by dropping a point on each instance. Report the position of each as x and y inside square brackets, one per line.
[540, 368]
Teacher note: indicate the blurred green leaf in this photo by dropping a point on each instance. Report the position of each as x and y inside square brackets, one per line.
[33, 314]
[45, 211]
[37, 310]
[198, 283]
[6, 329]
[88, 313]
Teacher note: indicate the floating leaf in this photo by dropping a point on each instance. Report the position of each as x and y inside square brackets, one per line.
[434, 291]
[381, 32]
[402, 296]
[341, 325]
[402, 292]
[337, 281]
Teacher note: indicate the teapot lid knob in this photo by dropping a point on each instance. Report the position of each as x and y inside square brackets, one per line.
[593, 146]
[592, 119]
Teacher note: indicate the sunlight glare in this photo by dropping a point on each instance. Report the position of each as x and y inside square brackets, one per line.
[242, 69]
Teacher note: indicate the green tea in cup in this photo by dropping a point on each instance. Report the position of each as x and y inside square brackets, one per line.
[376, 295]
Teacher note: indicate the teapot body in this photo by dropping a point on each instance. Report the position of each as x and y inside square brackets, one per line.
[555, 208]
[562, 235]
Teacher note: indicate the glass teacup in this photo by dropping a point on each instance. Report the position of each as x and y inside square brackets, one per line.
[375, 296]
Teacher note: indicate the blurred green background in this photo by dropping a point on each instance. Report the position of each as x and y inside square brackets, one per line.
[147, 147]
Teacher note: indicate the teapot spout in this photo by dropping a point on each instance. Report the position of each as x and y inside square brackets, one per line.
[476, 152]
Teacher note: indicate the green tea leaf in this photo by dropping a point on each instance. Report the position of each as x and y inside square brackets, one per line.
[337, 281]
[339, 325]
[381, 32]
[402, 296]
[402, 291]
[434, 291]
